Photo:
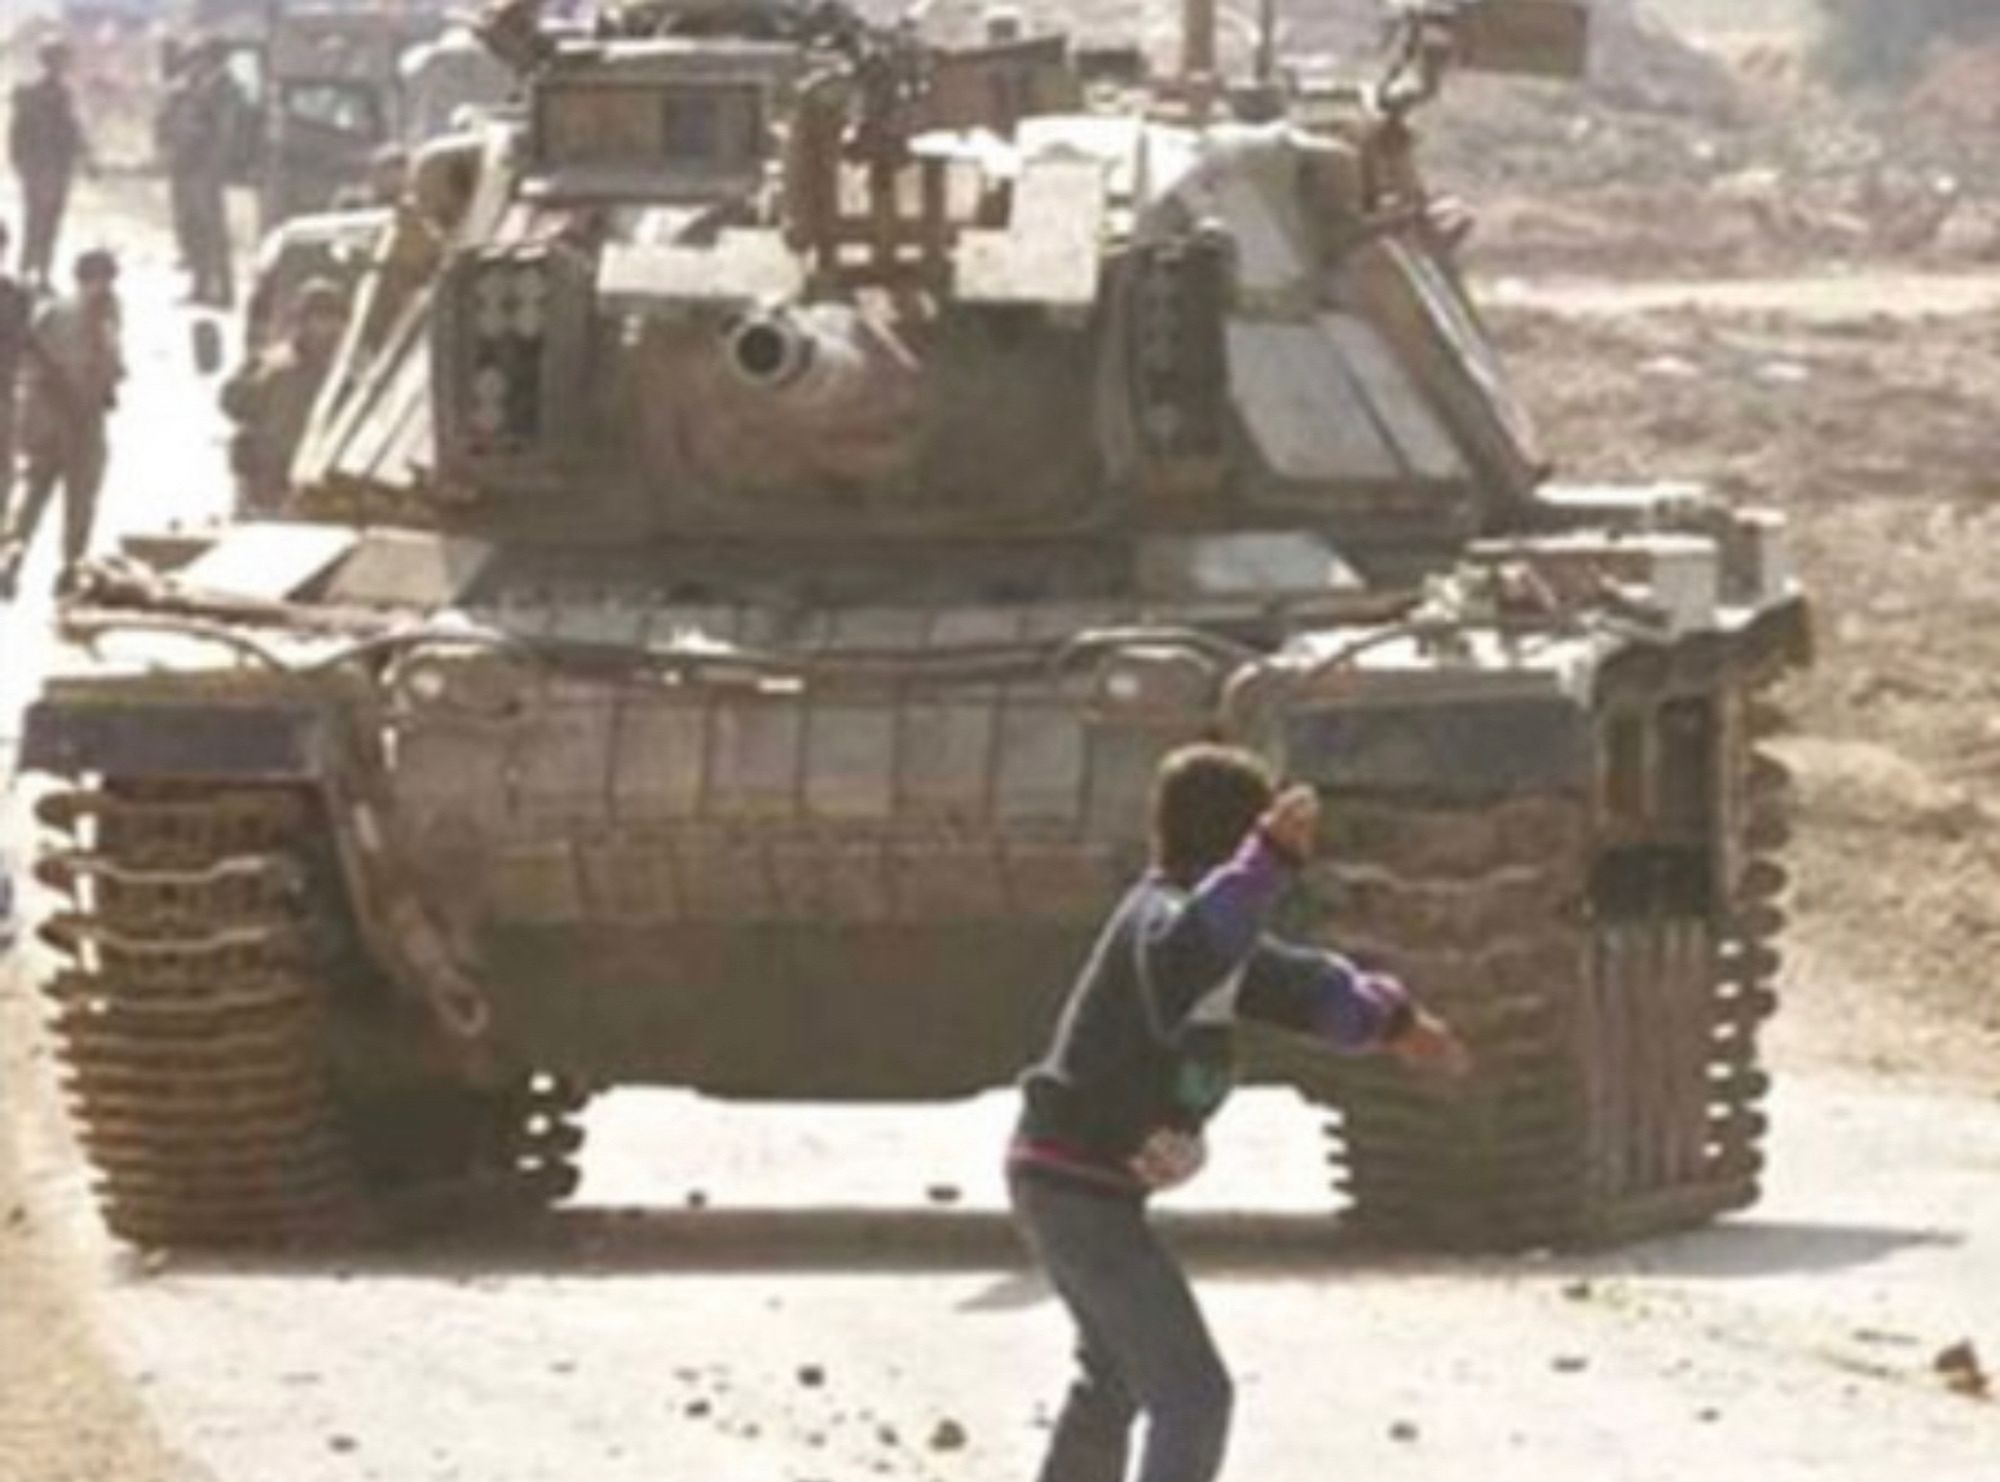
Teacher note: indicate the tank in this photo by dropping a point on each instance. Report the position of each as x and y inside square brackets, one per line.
[775, 505]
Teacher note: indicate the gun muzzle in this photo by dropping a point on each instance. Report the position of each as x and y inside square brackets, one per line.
[769, 351]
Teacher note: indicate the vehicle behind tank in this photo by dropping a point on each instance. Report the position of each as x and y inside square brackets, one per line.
[774, 508]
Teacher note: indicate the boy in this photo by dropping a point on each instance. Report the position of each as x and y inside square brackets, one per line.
[1141, 1060]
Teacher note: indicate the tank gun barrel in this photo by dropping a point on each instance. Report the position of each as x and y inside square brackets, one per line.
[802, 354]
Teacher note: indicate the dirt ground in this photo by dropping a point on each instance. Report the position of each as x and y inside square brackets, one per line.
[1875, 433]
[69, 1411]
[1855, 389]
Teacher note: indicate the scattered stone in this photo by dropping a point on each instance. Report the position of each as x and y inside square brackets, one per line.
[1962, 1372]
[17, 1216]
[812, 1376]
[697, 1199]
[885, 1435]
[943, 1193]
[948, 1436]
[1580, 1290]
[698, 1409]
[342, 1444]
[1570, 1363]
[562, 1366]
[1670, 368]
[1404, 1431]
[153, 1262]
[1708, 1415]
[1783, 373]
[1884, 1337]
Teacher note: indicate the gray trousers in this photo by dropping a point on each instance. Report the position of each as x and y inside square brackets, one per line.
[7, 455]
[1142, 1346]
[76, 465]
[44, 197]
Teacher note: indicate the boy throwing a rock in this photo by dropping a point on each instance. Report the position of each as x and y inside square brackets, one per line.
[1141, 1058]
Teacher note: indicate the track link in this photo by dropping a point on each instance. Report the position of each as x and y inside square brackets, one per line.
[189, 1024]
[1479, 909]
[208, 974]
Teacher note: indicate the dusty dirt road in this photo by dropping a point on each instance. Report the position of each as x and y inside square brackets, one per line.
[821, 1318]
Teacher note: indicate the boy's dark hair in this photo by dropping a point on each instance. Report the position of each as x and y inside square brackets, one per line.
[1206, 798]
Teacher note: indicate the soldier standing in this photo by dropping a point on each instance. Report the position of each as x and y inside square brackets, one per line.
[169, 129]
[271, 397]
[199, 132]
[74, 364]
[46, 143]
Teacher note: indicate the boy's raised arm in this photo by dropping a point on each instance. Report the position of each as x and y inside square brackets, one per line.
[1189, 948]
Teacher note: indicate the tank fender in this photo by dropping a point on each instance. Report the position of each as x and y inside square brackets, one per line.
[1467, 747]
[263, 743]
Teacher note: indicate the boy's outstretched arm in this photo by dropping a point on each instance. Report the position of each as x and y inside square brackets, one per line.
[1326, 997]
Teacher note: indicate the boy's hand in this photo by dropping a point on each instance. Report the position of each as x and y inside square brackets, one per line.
[1291, 823]
[1429, 1046]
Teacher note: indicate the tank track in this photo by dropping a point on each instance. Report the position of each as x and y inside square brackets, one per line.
[1486, 910]
[207, 980]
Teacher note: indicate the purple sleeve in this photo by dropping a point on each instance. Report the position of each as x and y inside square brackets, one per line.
[1322, 995]
[1188, 946]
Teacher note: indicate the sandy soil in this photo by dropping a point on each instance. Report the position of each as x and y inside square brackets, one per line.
[69, 1410]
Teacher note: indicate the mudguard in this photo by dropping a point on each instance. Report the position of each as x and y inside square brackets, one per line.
[270, 743]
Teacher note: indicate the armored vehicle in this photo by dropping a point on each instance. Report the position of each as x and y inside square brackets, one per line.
[774, 507]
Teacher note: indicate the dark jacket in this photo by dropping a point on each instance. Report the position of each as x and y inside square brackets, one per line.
[44, 136]
[1146, 1040]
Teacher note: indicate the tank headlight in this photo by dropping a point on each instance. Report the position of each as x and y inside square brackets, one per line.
[427, 684]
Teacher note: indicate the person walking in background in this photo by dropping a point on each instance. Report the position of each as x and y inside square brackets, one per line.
[271, 397]
[16, 309]
[73, 366]
[169, 126]
[46, 143]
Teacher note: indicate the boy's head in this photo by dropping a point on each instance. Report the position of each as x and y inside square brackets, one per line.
[1205, 799]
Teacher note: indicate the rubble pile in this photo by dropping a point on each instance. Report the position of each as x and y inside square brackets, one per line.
[1775, 178]
[1638, 61]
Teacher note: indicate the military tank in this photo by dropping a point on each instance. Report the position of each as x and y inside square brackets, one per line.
[774, 507]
